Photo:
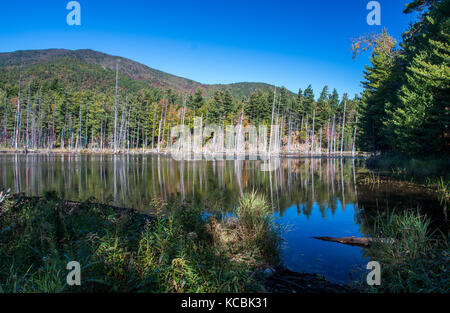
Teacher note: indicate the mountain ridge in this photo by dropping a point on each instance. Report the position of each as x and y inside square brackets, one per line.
[131, 69]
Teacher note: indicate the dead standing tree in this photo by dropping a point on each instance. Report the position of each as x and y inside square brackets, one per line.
[116, 108]
[17, 118]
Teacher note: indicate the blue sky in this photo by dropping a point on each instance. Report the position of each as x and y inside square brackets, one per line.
[290, 43]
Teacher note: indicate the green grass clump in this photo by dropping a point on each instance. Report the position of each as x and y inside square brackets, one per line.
[257, 227]
[179, 250]
[412, 258]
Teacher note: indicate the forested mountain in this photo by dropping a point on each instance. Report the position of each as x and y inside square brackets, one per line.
[82, 69]
[86, 99]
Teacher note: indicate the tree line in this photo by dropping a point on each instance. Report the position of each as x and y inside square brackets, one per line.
[50, 115]
[405, 103]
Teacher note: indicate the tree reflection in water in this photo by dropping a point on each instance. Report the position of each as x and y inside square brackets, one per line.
[317, 196]
[133, 180]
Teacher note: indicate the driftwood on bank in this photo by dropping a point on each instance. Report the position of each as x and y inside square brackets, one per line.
[355, 241]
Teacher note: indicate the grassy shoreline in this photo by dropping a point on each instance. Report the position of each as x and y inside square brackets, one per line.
[124, 251]
[179, 249]
[416, 258]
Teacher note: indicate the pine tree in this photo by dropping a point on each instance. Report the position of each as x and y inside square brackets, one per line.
[322, 108]
[309, 103]
[381, 86]
[197, 101]
[420, 124]
[216, 108]
[228, 102]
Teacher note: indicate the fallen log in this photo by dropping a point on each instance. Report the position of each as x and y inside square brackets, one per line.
[355, 241]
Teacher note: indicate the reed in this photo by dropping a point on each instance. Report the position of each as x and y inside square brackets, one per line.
[415, 259]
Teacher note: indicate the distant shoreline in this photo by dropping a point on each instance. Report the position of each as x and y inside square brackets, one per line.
[163, 152]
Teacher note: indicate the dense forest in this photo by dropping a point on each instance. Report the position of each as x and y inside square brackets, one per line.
[405, 104]
[70, 104]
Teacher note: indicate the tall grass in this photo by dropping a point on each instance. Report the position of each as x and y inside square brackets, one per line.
[251, 234]
[413, 259]
[178, 250]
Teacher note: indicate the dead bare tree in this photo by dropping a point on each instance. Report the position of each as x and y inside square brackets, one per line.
[343, 128]
[116, 108]
[17, 119]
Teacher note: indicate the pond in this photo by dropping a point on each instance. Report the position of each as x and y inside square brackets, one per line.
[309, 196]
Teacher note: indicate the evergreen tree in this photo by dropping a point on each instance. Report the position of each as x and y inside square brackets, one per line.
[309, 102]
[216, 108]
[322, 108]
[227, 102]
[420, 122]
[380, 89]
[197, 101]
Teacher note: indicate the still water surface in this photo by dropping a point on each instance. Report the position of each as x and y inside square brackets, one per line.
[311, 197]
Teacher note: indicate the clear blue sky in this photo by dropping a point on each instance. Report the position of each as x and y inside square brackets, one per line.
[291, 43]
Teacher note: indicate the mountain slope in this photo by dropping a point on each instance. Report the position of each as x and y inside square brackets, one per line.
[88, 68]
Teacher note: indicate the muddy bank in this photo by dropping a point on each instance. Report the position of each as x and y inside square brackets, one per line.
[282, 280]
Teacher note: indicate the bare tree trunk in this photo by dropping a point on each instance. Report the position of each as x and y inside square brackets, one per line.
[28, 117]
[71, 132]
[328, 136]
[271, 124]
[79, 129]
[121, 142]
[5, 131]
[20, 127]
[354, 138]
[165, 118]
[320, 144]
[16, 124]
[101, 135]
[160, 125]
[116, 108]
[53, 124]
[306, 136]
[33, 127]
[138, 134]
[63, 134]
[39, 139]
[86, 133]
[343, 128]
[333, 134]
[313, 126]
[154, 122]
